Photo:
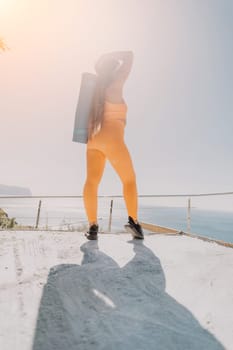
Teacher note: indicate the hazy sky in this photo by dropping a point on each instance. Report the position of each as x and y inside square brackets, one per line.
[179, 94]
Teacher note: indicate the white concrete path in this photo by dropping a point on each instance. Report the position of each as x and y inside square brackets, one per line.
[58, 291]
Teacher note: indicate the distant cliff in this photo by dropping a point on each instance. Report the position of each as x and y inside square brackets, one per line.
[14, 191]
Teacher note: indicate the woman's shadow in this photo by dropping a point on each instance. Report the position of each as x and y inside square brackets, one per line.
[99, 305]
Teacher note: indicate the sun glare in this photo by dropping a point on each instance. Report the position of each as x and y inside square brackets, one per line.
[3, 4]
[6, 5]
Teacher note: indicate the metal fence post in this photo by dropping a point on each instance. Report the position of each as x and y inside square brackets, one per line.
[189, 216]
[38, 215]
[110, 216]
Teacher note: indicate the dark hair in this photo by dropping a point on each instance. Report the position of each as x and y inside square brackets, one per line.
[104, 78]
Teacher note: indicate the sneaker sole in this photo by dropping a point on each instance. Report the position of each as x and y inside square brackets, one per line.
[93, 238]
[135, 234]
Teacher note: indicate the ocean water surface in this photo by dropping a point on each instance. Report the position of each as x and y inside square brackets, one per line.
[69, 214]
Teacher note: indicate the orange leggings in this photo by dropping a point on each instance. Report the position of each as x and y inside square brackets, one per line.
[120, 159]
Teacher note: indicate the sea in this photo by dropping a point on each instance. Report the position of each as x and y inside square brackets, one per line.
[69, 214]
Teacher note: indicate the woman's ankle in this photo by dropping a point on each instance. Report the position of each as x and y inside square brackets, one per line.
[93, 223]
[135, 220]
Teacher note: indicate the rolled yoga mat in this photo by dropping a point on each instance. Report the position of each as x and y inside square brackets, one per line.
[86, 93]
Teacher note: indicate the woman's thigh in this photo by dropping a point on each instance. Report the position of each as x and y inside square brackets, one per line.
[120, 159]
[95, 164]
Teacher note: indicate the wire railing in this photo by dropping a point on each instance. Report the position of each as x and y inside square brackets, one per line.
[120, 196]
[35, 212]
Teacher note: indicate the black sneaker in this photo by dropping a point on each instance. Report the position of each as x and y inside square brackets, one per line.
[134, 229]
[92, 233]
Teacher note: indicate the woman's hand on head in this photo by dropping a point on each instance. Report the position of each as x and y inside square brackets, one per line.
[117, 56]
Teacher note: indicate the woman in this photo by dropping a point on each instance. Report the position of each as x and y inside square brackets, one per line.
[106, 139]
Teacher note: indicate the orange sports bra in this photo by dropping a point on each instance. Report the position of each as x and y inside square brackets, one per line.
[114, 111]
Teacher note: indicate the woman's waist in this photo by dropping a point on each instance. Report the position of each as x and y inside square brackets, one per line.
[114, 116]
[114, 121]
[111, 129]
[108, 134]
